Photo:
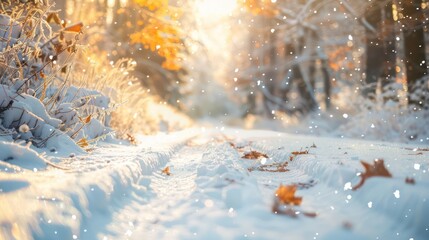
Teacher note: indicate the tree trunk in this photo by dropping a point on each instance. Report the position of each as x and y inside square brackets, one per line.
[380, 48]
[326, 83]
[414, 47]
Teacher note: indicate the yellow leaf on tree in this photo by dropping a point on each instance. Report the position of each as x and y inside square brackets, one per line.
[161, 32]
[260, 7]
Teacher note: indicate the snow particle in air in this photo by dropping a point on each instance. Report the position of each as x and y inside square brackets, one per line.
[74, 236]
[345, 115]
[349, 197]
[397, 194]
[372, 125]
[348, 186]
[416, 166]
[74, 217]
[370, 204]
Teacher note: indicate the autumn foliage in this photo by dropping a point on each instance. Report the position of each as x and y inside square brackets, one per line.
[161, 32]
[260, 7]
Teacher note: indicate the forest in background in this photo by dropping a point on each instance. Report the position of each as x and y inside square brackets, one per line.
[283, 60]
[347, 68]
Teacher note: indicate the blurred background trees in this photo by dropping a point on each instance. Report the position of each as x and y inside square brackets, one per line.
[302, 49]
[288, 57]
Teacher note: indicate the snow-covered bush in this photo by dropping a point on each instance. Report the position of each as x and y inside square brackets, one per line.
[388, 118]
[38, 102]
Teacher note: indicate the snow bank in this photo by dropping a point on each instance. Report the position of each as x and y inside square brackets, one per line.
[100, 184]
[13, 157]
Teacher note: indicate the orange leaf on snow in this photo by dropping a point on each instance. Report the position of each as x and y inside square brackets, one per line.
[286, 195]
[376, 170]
[166, 171]
[254, 155]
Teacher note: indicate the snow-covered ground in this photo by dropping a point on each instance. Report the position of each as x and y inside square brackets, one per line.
[120, 192]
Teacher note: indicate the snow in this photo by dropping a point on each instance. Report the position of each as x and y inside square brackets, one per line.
[15, 157]
[119, 192]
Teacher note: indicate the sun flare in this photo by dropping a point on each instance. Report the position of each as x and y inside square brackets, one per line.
[216, 8]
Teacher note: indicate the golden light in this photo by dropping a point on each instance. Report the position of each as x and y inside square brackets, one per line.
[215, 8]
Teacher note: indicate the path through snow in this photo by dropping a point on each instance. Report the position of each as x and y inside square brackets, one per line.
[119, 192]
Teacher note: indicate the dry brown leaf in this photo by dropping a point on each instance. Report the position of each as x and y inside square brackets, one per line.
[53, 17]
[85, 120]
[82, 143]
[300, 152]
[77, 28]
[286, 195]
[376, 170]
[410, 181]
[296, 153]
[132, 139]
[166, 171]
[254, 155]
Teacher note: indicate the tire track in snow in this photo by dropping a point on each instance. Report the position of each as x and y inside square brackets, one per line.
[160, 198]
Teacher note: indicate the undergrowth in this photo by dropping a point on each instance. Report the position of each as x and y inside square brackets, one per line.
[54, 93]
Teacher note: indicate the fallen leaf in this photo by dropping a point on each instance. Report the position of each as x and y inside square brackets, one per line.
[310, 214]
[286, 195]
[166, 171]
[254, 155]
[132, 139]
[296, 153]
[410, 181]
[300, 152]
[376, 170]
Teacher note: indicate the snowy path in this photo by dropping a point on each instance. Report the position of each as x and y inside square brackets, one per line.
[214, 193]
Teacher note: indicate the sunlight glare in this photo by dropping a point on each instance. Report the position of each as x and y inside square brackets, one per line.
[216, 8]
